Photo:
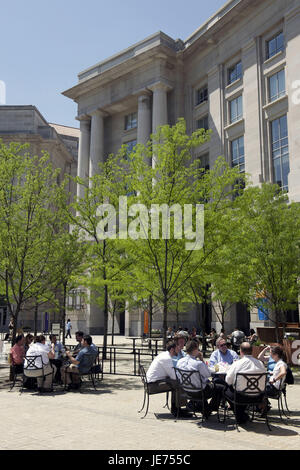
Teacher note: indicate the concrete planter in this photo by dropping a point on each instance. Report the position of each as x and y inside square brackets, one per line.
[256, 350]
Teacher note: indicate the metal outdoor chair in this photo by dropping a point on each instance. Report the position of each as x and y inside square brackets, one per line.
[31, 364]
[251, 391]
[93, 372]
[186, 388]
[279, 397]
[14, 372]
[148, 392]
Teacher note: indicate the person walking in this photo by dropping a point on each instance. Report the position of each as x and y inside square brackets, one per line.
[68, 328]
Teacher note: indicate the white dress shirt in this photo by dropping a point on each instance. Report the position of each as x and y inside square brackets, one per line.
[38, 349]
[246, 364]
[189, 363]
[161, 368]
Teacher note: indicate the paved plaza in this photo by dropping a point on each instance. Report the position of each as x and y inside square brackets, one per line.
[108, 419]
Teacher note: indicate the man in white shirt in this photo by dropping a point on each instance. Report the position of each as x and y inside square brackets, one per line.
[161, 375]
[247, 364]
[44, 376]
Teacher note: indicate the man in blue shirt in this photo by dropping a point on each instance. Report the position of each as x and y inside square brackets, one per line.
[222, 354]
[81, 364]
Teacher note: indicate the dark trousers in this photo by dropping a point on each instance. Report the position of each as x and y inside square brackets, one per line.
[271, 391]
[68, 334]
[58, 364]
[168, 385]
[241, 401]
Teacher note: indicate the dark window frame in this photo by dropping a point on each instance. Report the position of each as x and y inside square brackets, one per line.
[201, 95]
[278, 47]
[233, 74]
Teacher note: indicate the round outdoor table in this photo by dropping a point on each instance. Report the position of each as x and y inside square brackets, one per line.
[133, 339]
[155, 340]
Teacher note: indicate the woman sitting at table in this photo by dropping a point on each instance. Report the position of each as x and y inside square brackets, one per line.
[279, 372]
[267, 358]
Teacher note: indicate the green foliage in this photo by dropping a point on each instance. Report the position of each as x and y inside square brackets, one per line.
[32, 220]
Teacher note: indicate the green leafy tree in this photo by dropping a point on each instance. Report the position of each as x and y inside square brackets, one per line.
[266, 252]
[107, 262]
[163, 266]
[29, 218]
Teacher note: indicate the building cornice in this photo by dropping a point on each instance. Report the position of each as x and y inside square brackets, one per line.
[157, 47]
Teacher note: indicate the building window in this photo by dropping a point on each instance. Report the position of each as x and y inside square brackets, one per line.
[235, 72]
[280, 152]
[130, 121]
[236, 109]
[275, 45]
[277, 85]
[201, 95]
[238, 154]
[203, 123]
[204, 161]
[129, 148]
[75, 300]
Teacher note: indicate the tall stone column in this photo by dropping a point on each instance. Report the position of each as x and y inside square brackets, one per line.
[251, 112]
[97, 141]
[83, 154]
[291, 31]
[216, 103]
[159, 107]
[144, 118]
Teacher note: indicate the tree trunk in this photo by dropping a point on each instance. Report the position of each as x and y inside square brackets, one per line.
[165, 320]
[63, 313]
[113, 324]
[105, 319]
[36, 308]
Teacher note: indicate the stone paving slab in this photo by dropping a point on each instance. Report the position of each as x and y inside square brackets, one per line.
[108, 419]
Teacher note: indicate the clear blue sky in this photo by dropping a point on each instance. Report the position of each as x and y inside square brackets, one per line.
[45, 44]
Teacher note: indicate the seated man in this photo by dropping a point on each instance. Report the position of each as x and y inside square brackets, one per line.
[79, 336]
[58, 359]
[39, 348]
[212, 338]
[193, 361]
[222, 354]
[79, 365]
[180, 340]
[161, 375]
[247, 364]
[17, 354]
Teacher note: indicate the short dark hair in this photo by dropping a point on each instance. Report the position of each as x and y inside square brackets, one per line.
[19, 337]
[88, 339]
[170, 345]
[39, 339]
[278, 350]
[246, 349]
[191, 346]
[52, 336]
[80, 333]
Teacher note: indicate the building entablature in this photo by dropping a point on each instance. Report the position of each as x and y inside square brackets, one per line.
[126, 65]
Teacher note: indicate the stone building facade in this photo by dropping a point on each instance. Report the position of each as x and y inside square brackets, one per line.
[238, 74]
[25, 124]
